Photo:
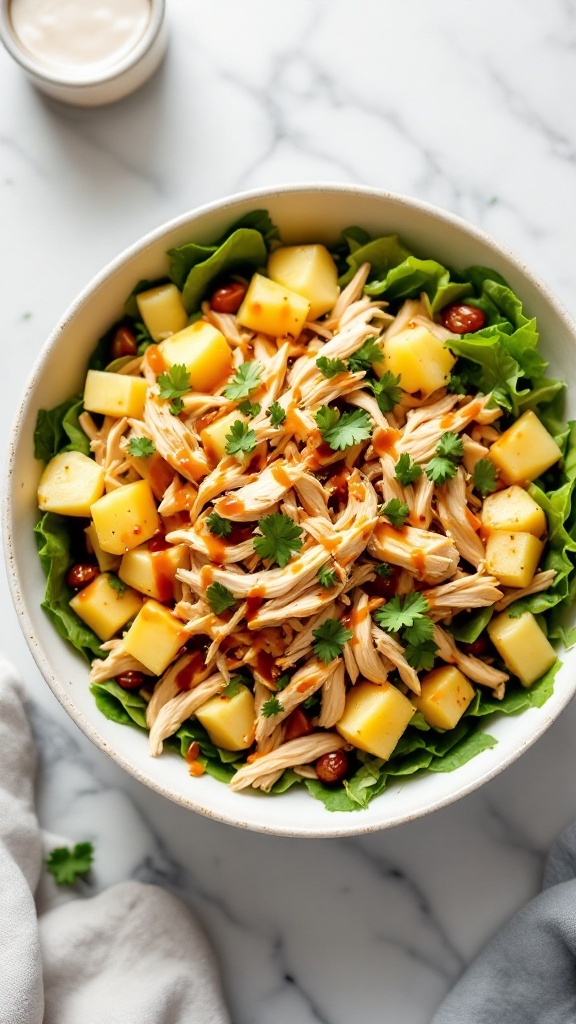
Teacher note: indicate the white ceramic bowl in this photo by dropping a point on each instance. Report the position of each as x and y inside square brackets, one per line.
[304, 213]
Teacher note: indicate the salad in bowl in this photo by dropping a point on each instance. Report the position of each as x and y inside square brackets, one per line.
[310, 518]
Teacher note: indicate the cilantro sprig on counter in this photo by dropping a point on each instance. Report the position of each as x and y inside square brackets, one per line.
[281, 536]
[68, 865]
[342, 430]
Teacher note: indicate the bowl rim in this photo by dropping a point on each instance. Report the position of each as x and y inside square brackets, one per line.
[355, 826]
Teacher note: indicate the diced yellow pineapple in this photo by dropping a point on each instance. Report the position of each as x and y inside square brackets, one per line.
[213, 437]
[106, 562]
[70, 484]
[125, 517]
[114, 394]
[513, 557]
[421, 359]
[229, 721]
[446, 693]
[513, 509]
[273, 308]
[153, 572]
[308, 270]
[522, 646]
[162, 311]
[203, 350]
[375, 717]
[155, 637]
[525, 450]
[104, 608]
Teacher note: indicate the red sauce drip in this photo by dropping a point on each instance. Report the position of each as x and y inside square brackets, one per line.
[230, 505]
[384, 586]
[384, 441]
[258, 461]
[418, 560]
[281, 476]
[192, 752]
[338, 484]
[216, 548]
[163, 571]
[240, 533]
[447, 421]
[187, 674]
[266, 667]
[158, 543]
[254, 601]
[155, 360]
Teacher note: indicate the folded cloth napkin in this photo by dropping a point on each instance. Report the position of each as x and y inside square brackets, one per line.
[527, 974]
[130, 955]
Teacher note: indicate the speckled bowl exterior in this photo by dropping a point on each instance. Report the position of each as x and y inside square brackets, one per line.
[303, 213]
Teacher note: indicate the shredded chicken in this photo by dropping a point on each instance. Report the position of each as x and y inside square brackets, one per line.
[474, 668]
[176, 710]
[469, 591]
[541, 581]
[294, 752]
[117, 661]
[458, 521]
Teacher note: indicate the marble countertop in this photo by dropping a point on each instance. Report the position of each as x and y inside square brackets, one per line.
[470, 108]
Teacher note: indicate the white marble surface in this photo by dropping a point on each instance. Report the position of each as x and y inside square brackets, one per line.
[467, 106]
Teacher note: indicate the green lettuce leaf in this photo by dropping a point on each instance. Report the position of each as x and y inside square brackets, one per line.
[54, 544]
[126, 707]
[58, 430]
[381, 253]
[467, 626]
[245, 248]
[557, 505]
[413, 276]
[468, 747]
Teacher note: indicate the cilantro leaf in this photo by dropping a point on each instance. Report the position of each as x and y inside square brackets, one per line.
[383, 569]
[117, 584]
[329, 640]
[456, 385]
[219, 526]
[396, 511]
[282, 681]
[485, 477]
[142, 447]
[271, 707]
[68, 865]
[450, 445]
[174, 383]
[326, 576]
[276, 414]
[330, 367]
[401, 611]
[176, 406]
[247, 378]
[233, 687]
[280, 537]
[441, 469]
[421, 656]
[247, 409]
[419, 632]
[369, 353]
[219, 598]
[341, 430]
[387, 391]
[240, 439]
[406, 470]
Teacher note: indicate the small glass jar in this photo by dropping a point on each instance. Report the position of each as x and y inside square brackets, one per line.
[99, 83]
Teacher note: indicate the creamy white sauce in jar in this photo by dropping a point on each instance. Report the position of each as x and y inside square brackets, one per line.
[81, 38]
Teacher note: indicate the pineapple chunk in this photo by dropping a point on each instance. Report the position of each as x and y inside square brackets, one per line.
[446, 694]
[513, 557]
[125, 517]
[229, 721]
[525, 450]
[513, 509]
[308, 270]
[272, 308]
[420, 358]
[213, 437]
[70, 484]
[203, 350]
[162, 310]
[375, 717]
[114, 394]
[155, 637]
[106, 562]
[153, 572]
[104, 608]
[522, 646]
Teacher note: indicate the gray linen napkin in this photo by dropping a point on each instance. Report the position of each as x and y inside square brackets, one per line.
[527, 974]
[130, 955]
